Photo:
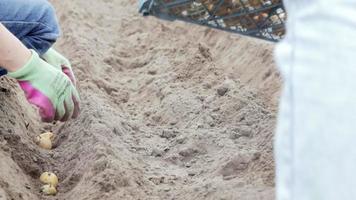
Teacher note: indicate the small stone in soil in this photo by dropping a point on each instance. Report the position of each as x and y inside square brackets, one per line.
[156, 153]
[222, 90]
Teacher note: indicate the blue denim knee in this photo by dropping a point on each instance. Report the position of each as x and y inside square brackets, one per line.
[2, 72]
[32, 21]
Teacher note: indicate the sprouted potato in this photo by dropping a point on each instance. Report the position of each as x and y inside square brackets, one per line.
[49, 190]
[49, 178]
[45, 140]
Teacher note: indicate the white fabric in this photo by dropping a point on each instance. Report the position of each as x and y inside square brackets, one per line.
[315, 144]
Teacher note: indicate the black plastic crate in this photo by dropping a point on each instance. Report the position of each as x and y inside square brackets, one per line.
[263, 19]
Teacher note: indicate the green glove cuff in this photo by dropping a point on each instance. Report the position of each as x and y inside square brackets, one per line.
[23, 72]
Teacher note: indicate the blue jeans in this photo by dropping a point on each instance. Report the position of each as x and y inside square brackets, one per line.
[33, 22]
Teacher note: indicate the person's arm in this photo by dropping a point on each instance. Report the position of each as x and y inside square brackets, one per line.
[13, 54]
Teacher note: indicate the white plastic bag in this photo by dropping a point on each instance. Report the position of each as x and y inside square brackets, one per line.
[315, 144]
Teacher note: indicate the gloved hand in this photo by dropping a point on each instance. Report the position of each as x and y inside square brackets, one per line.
[49, 89]
[60, 62]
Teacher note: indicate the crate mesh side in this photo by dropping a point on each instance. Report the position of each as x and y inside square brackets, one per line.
[259, 18]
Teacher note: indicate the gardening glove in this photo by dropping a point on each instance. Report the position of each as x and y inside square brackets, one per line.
[49, 89]
[60, 62]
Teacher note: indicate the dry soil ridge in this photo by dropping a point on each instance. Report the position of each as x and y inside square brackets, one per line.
[170, 111]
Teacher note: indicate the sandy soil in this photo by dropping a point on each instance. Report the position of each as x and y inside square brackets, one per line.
[170, 111]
